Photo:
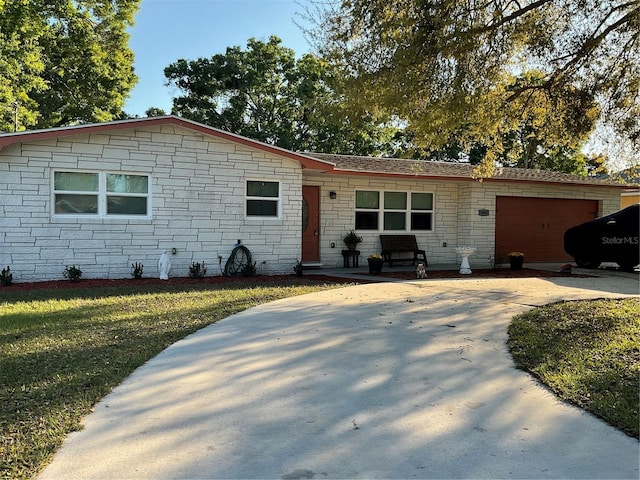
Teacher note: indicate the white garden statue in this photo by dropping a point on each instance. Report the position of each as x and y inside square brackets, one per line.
[164, 265]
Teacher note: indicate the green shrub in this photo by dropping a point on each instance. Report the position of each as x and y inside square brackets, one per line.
[6, 277]
[72, 273]
[136, 270]
[197, 270]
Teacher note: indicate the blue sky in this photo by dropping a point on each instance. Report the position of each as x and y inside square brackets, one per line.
[166, 30]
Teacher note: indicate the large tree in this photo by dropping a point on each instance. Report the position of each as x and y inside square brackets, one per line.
[547, 137]
[453, 68]
[265, 93]
[64, 61]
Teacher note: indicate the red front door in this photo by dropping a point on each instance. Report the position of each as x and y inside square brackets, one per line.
[310, 224]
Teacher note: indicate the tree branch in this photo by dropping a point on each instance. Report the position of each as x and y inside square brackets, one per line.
[509, 18]
[591, 43]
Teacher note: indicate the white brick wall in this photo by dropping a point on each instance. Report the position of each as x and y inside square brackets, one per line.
[337, 216]
[456, 221]
[479, 231]
[198, 186]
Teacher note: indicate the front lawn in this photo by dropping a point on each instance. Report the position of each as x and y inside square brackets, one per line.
[587, 352]
[62, 350]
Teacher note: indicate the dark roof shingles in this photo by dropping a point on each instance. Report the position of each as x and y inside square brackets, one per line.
[430, 169]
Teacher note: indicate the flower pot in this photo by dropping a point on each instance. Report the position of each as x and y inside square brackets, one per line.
[375, 266]
[351, 247]
[516, 262]
[566, 270]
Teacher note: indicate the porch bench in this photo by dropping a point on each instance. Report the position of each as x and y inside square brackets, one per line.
[392, 244]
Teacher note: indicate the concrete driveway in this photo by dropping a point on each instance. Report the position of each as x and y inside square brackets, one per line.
[390, 380]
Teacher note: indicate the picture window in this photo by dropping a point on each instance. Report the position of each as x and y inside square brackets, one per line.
[99, 194]
[393, 211]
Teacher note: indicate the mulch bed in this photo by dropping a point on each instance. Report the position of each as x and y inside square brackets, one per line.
[219, 280]
[478, 273]
[124, 282]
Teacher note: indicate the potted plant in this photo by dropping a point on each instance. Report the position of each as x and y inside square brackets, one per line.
[516, 259]
[298, 268]
[375, 264]
[351, 240]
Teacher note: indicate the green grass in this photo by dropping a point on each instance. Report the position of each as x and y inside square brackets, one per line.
[588, 353]
[63, 350]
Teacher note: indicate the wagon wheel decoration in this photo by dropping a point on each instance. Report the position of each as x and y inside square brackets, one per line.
[239, 259]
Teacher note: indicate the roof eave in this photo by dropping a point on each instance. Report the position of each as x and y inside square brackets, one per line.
[365, 173]
[342, 171]
[553, 182]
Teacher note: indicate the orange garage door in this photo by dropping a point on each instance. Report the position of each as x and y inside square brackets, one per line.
[535, 226]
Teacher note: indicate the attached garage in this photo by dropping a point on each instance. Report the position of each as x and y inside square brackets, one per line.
[525, 210]
[104, 196]
[537, 225]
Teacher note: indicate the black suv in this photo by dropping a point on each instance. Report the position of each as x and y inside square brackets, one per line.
[612, 238]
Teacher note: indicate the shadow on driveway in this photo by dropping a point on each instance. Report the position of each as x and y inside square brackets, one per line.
[390, 380]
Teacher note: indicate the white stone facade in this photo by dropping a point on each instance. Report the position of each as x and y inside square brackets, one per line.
[479, 231]
[337, 215]
[197, 197]
[457, 221]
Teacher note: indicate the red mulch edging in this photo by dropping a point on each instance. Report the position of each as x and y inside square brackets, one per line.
[124, 282]
[217, 280]
[486, 273]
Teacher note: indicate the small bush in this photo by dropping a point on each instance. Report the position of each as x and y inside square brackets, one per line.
[197, 270]
[136, 270]
[249, 270]
[6, 277]
[72, 273]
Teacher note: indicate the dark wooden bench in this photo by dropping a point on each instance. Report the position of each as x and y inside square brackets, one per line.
[401, 244]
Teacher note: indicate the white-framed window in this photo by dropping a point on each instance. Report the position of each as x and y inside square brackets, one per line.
[101, 194]
[421, 211]
[367, 210]
[263, 199]
[393, 211]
